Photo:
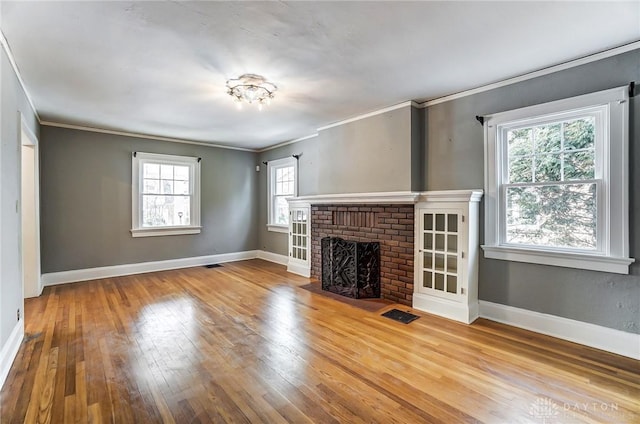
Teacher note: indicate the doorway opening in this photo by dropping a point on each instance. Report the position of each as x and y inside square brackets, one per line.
[30, 212]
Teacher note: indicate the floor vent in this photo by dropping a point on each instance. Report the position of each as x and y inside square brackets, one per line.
[398, 315]
[213, 266]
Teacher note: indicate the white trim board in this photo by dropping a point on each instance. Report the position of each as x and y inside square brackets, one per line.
[273, 257]
[604, 338]
[10, 350]
[138, 135]
[370, 114]
[76, 275]
[14, 65]
[530, 75]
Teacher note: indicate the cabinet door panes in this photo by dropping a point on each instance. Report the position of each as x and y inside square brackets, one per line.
[440, 242]
[299, 236]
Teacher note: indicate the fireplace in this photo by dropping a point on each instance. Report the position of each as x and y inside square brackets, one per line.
[351, 268]
[390, 225]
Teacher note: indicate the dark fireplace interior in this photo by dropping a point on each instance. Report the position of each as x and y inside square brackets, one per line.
[351, 268]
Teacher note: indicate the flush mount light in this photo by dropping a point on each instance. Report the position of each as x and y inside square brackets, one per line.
[251, 88]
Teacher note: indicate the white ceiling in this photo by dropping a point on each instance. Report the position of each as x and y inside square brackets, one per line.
[159, 68]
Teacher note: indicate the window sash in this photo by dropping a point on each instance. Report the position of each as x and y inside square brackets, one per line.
[186, 223]
[282, 184]
[503, 184]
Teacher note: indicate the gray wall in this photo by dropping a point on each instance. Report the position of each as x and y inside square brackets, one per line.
[454, 160]
[374, 154]
[13, 101]
[86, 201]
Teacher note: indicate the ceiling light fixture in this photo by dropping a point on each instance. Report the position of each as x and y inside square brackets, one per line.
[251, 88]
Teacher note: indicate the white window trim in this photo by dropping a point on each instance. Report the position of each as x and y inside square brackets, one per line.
[139, 158]
[612, 254]
[272, 165]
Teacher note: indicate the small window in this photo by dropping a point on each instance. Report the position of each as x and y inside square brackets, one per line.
[557, 182]
[165, 195]
[282, 184]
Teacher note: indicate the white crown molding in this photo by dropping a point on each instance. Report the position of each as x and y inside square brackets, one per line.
[604, 338]
[137, 135]
[370, 114]
[380, 198]
[541, 72]
[10, 350]
[275, 146]
[14, 65]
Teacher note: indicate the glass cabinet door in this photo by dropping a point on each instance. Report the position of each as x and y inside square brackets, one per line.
[440, 243]
[298, 234]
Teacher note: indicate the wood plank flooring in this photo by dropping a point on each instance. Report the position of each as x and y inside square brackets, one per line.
[244, 344]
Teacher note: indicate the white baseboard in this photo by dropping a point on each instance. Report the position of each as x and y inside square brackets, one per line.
[604, 338]
[10, 350]
[273, 257]
[75, 275]
[456, 311]
[299, 269]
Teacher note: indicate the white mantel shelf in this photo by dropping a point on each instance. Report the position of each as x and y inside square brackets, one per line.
[406, 197]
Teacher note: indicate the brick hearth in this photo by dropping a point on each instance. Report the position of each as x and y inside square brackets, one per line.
[391, 225]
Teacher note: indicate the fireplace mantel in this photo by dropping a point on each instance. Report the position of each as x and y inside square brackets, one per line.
[390, 197]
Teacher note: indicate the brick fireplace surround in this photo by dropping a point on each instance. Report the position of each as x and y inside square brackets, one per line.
[389, 224]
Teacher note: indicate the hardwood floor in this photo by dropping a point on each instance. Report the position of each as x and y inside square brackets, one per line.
[243, 343]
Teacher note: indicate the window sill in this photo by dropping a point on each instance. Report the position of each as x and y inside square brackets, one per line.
[164, 231]
[563, 259]
[278, 228]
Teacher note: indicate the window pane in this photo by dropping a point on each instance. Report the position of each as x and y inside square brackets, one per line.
[161, 211]
[428, 260]
[428, 221]
[151, 186]
[181, 173]
[580, 134]
[166, 172]
[548, 168]
[439, 222]
[521, 169]
[452, 223]
[281, 211]
[151, 170]
[440, 242]
[439, 282]
[452, 284]
[167, 186]
[547, 138]
[426, 279]
[181, 187]
[452, 244]
[579, 165]
[428, 241]
[520, 142]
[553, 216]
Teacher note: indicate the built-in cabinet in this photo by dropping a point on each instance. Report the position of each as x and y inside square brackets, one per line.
[299, 261]
[446, 254]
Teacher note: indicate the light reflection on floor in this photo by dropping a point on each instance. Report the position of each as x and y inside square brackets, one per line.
[286, 340]
[166, 334]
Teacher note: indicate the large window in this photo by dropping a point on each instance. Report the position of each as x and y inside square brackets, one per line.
[282, 184]
[556, 182]
[166, 195]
